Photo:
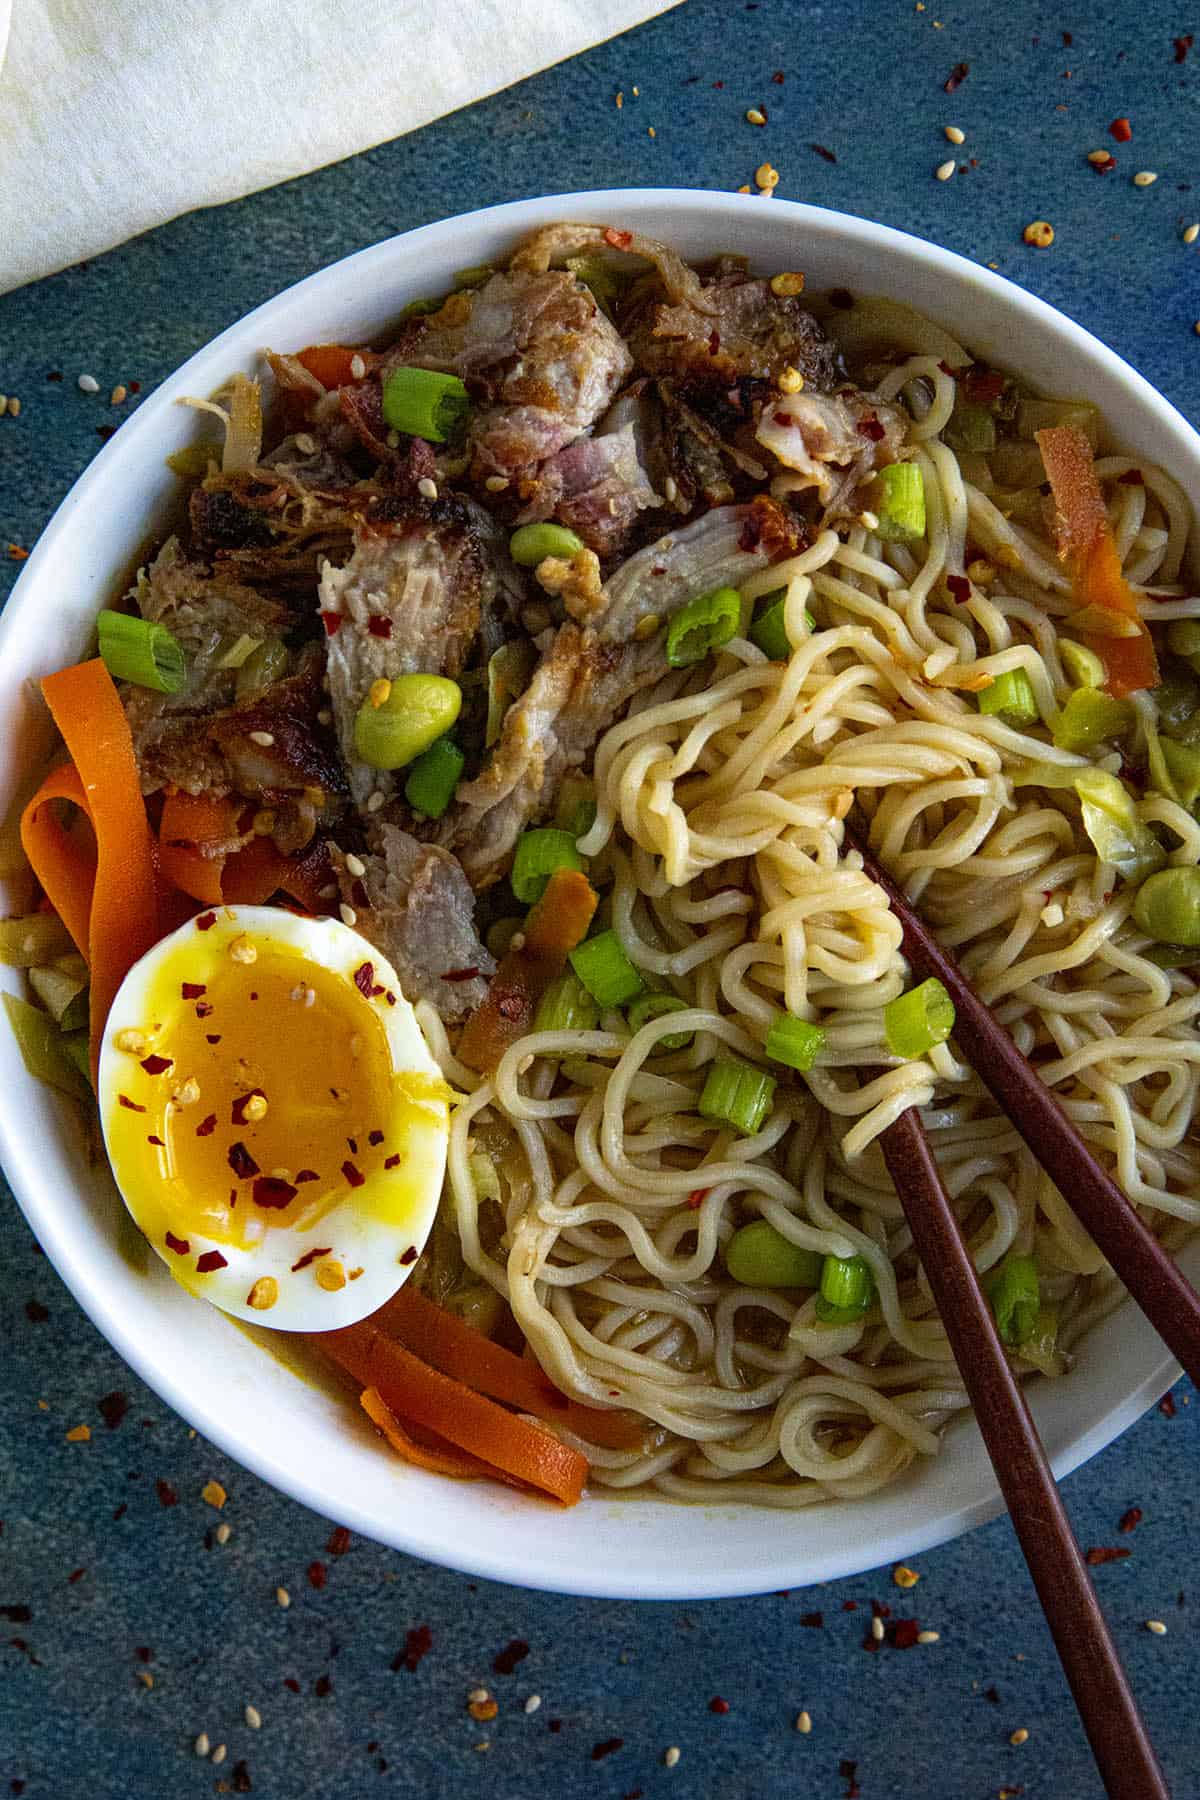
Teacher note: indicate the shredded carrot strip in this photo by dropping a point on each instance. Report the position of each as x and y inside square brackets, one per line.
[1086, 545]
[123, 911]
[259, 870]
[425, 1397]
[454, 1347]
[555, 925]
[189, 823]
[447, 1461]
[65, 866]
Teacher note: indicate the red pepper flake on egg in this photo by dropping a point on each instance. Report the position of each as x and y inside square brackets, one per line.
[306, 1175]
[409, 1256]
[157, 1065]
[273, 1191]
[156, 1141]
[179, 1245]
[128, 1104]
[375, 1137]
[210, 1262]
[241, 1162]
[207, 1126]
[192, 990]
[354, 1176]
[365, 982]
[204, 1009]
[310, 1256]
[391, 1162]
[238, 1110]
[206, 921]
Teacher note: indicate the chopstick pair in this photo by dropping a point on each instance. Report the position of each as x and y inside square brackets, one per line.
[1115, 1729]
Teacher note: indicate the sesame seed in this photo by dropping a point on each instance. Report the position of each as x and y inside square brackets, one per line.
[756, 116]
[262, 1297]
[253, 1717]
[1019, 1736]
[954, 134]
[376, 802]
[331, 1276]
[620, 99]
[131, 1041]
[307, 446]
[1145, 178]
[650, 131]
[671, 1756]
[768, 177]
[358, 367]
[88, 384]
[355, 865]
[1191, 233]
[282, 1597]
[255, 1108]
[379, 692]
[671, 490]
[1157, 1627]
[477, 1696]
[496, 484]
[945, 170]
[904, 1577]
[1040, 234]
[791, 381]
[868, 520]
[213, 1494]
[645, 628]
[202, 1745]
[877, 1630]
[328, 892]
[14, 406]
[804, 1722]
[533, 1702]
[347, 914]
[264, 739]
[224, 1532]
[119, 395]
[929, 1637]
[242, 950]
[218, 1755]
[427, 488]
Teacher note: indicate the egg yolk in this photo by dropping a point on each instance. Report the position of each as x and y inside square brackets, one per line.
[275, 1097]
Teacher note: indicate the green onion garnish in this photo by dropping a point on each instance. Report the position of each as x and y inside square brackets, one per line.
[43, 1047]
[531, 544]
[654, 1006]
[1089, 718]
[704, 624]
[1111, 821]
[847, 1290]
[140, 651]
[1082, 665]
[537, 855]
[970, 427]
[914, 1022]
[418, 710]
[1167, 907]
[1010, 697]
[769, 630]
[735, 1093]
[899, 498]
[474, 277]
[575, 808]
[605, 970]
[433, 777]
[566, 1005]
[759, 1256]
[424, 404]
[795, 1042]
[417, 309]
[1013, 1292]
[1183, 765]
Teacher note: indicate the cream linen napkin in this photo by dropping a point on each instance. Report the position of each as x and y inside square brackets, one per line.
[116, 115]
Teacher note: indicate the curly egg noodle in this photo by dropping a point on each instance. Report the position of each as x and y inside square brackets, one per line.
[721, 802]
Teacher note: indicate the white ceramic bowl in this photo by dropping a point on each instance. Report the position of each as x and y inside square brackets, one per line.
[306, 1441]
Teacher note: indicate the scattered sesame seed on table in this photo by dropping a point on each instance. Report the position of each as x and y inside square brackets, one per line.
[109, 1545]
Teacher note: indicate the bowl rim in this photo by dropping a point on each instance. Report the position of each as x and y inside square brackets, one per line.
[18, 1152]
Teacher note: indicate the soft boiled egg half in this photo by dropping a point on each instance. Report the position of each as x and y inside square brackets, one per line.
[274, 1119]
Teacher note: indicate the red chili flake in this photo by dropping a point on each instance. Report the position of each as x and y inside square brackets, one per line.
[870, 1643]
[166, 1493]
[457, 975]
[358, 894]
[1068, 39]
[903, 1634]
[717, 1705]
[151, 1139]
[292, 1685]
[606, 1748]
[1121, 130]
[179, 1245]
[1166, 1406]
[984, 385]
[417, 1643]
[76, 1575]
[960, 588]
[339, 1541]
[353, 1143]
[364, 979]
[409, 1256]
[956, 77]
[322, 1686]
[1129, 1521]
[241, 1778]
[206, 921]
[620, 240]
[777, 78]
[879, 1610]
[306, 1175]
[1103, 165]
[1105, 1553]
[375, 1137]
[241, 1161]
[317, 1573]
[506, 1660]
[379, 627]
[204, 1010]
[1132, 478]
[104, 432]
[143, 1653]
[697, 1198]
[128, 1104]
[271, 1191]
[391, 1162]
[135, 387]
[783, 419]
[849, 1772]
[992, 1694]
[207, 1126]
[1182, 46]
[554, 1725]
[332, 622]
[354, 1176]
[210, 1262]
[310, 1256]
[849, 1605]
[237, 1114]
[36, 1313]
[18, 553]
[390, 997]
[812, 1619]
[871, 428]
[192, 990]
[113, 1407]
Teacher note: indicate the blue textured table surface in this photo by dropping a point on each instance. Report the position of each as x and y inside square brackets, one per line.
[126, 1628]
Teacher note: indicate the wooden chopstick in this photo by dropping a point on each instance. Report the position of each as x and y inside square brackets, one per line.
[1115, 1729]
[1164, 1294]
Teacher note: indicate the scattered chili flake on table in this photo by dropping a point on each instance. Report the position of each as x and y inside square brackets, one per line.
[1121, 130]
[1129, 1521]
[113, 1407]
[418, 1642]
[317, 1574]
[1105, 1553]
[322, 1686]
[36, 1313]
[166, 1493]
[606, 1748]
[822, 152]
[956, 77]
[339, 1541]
[717, 1705]
[1182, 46]
[1166, 1406]
[813, 1619]
[506, 1660]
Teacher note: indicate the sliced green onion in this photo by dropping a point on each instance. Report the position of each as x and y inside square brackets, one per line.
[418, 309]
[735, 1093]
[433, 777]
[704, 624]
[63, 994]
[484, 1178]
[603, 281]
[77, 1045]
[36, 938]
[575, 808]
[1041, 415]
[566, 1005]
[1090, 717]
[605, 970]
[418, 710]
[1183, 762]
[42, 1047]
[531, 544]
[1013, 1292]
[795, 1042]
[473, 277]
[537, 855]
[508, 673]
[1041, 1346]
[656, 1006]
[238, 651]
[1177, 699]
[140, 651]
[970, 427]
[1170, 956]
[1167, 907]
[913, 1023]
[1118, 836]
[758, 1256]
[424, 404]
[769, 630]
[847, 1290]
[1010, 698]
[898, 497]
[1082, 665]
[267, 663]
